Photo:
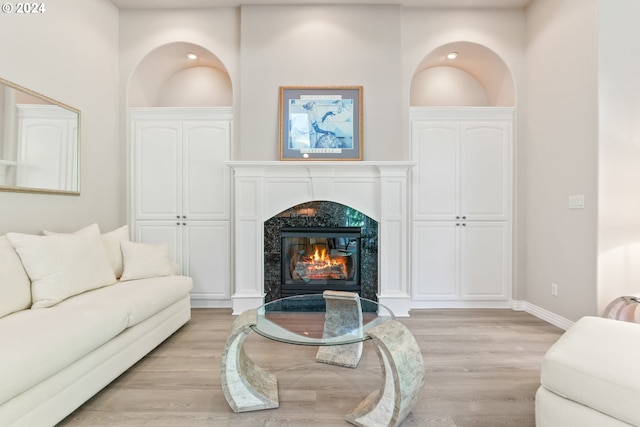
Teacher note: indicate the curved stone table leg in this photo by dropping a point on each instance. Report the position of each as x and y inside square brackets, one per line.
[403, 372]
[343, 316]
[246, 386]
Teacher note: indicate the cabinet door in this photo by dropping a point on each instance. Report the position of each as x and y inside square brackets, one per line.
[485, 261]
[157, 170]
[485, 158]
[208, 259]
[435, 266]
[162, 232]
[206, 146]
[436, 176]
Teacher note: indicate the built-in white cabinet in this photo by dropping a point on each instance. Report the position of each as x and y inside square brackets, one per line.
[461, 260]
[181, 192]
[461, 204]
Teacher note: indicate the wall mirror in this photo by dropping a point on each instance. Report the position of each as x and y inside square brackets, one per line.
[39, 143]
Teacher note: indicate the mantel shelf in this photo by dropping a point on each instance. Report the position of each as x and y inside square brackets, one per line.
[320, 168]
[318, 164]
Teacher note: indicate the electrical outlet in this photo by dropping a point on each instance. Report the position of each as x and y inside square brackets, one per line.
[576, 201]
[554, 289]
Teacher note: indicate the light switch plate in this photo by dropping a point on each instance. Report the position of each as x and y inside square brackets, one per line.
[576, 201]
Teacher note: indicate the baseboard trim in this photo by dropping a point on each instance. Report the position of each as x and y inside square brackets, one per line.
[210, 303]
[542, 314]
[403, 306]
[421, 305]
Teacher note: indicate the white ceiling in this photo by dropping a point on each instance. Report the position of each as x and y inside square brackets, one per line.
[193, 4]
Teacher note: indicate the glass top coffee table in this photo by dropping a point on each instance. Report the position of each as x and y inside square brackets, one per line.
[335, 318]
[338, 323]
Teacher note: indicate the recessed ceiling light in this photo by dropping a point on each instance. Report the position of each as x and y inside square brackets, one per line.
[192, 55]
[452, 55]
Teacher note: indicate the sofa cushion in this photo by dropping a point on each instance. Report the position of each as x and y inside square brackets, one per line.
[141, 298]
[62, 266]
[142, 260]
[15, 286]
[594, 364]
[43, 342]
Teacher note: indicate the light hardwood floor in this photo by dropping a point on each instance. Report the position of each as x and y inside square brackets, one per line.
[482, 369]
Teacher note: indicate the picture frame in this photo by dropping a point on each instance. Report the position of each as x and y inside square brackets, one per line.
[321, 123]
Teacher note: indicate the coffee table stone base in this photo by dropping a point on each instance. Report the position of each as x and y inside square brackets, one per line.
[403, 372]
[246, 386]
[343, 316]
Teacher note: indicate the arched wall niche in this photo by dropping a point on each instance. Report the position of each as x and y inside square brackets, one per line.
[167, 78]
[477, 77]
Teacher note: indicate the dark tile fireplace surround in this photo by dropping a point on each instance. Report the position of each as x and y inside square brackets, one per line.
[318, 215]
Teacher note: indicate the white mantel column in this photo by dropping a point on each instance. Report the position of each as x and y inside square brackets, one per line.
[248, 239]
[393, 240]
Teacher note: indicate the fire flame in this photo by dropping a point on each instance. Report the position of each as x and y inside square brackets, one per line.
[322, 257]
[320, 265]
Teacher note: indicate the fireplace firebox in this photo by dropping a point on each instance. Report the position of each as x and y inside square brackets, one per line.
[321, 216]
[314, 259]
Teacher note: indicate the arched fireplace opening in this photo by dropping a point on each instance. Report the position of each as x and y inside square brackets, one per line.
[320, 245]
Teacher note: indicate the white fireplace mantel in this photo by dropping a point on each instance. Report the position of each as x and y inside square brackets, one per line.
[264, 189]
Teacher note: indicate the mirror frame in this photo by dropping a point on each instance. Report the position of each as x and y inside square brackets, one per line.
[35, 190]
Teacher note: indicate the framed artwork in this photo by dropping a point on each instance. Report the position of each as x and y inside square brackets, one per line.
[321, 123]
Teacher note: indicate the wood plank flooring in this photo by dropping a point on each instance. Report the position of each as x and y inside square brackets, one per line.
[482, 369]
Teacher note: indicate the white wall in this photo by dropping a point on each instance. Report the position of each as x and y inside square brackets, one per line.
[447, 86]
[197, 87]
[619, 155]
[560, 121]
[69, 53]
[143, 31]
[321, 46]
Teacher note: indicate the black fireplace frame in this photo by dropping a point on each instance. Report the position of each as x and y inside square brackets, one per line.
[291, 287]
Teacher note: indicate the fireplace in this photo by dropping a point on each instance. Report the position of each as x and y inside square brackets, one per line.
[377, 189]
[348, 238]
[315, 259]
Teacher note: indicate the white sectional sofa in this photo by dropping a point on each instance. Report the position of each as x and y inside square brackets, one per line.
[589, 378]
[76, 311]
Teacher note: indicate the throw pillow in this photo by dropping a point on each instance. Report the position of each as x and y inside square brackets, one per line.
[89, 230]
[15, 287]
[111, 241]
[62, 266]
[143, 260]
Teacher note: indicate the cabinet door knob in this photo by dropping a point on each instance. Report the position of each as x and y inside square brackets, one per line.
[464, 224]
[184, 216]
[457, 224]
[184, 223]
[464, 217]
[177, 223]
[178, 216]
[457, 217]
